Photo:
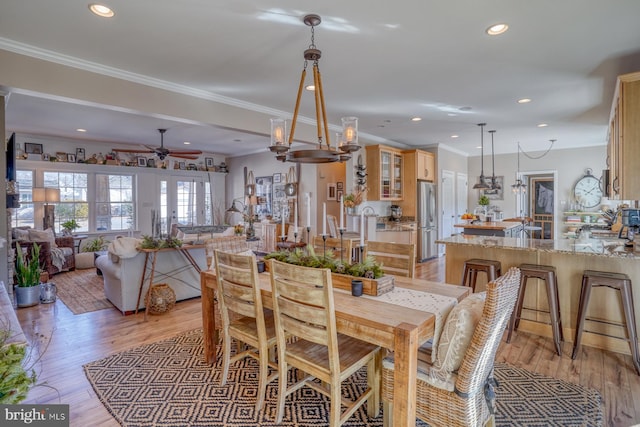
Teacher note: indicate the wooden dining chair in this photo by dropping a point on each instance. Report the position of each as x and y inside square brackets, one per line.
[458, 388]
[333, 225]
[398, 259]
[243, 316]
[335, 245]
[304, 308]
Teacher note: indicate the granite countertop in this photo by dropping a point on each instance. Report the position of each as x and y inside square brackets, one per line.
[595, 247]
[490, 225]
[406, 225]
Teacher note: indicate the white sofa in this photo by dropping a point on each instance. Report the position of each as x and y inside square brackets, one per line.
[122, 276]
[122, 271]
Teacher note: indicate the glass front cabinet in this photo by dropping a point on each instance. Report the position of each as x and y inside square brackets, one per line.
[385, 169]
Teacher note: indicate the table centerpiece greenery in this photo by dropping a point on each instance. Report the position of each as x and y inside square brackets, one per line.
[149, 242]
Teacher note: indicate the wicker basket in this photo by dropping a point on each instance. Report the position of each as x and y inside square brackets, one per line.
[161, 298]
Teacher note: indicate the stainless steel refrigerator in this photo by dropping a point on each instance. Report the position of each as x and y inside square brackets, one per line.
[427, 221]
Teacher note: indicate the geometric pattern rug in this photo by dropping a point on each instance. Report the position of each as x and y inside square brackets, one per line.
[167, 383]
[81, 291]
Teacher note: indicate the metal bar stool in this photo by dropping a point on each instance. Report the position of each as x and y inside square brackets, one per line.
[617, 281]
[548, 274]
[474, 266]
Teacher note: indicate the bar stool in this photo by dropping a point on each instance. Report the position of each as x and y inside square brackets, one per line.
[474, 266]
[548, 274]
[617, 281]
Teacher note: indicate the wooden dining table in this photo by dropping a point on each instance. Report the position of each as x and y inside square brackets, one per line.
[391, 326]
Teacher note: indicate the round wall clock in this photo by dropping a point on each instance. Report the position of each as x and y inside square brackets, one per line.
[587, 190]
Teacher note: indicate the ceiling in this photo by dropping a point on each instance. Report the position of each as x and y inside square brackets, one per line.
[383, 62]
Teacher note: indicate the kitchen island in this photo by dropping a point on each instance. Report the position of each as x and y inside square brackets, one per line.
[491, 228]
[570, 257]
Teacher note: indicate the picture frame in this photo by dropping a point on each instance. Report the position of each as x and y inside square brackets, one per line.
[151, 163]
[339, 195]
[182, 165]
[142, 162]
[192, 167]
[277, 178]
[32, 148]
[494, 194]
[61, 157]
[46, 157]
[340, 186]
[71, 158]
[80, 155]
[208, 161]
[331, 191]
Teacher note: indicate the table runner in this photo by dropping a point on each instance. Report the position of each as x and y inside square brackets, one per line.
[440, 305]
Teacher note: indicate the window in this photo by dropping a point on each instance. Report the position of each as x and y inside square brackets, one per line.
[114, 202]
[73, 197]
[186, 202]
[25, 214]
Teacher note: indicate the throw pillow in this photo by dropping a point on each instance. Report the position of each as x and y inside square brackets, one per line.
[43, 236]
[20, 234]
[458, 331]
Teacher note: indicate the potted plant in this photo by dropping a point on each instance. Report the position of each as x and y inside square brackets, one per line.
[353, 200]
[28, 276]
[96, 245]
[69, 226]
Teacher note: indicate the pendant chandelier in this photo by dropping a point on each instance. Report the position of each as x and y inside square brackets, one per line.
[519, 186]
[494, 179]
[481, 184]
[324, 152]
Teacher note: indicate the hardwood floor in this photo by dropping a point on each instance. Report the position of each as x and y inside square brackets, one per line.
[79, 339]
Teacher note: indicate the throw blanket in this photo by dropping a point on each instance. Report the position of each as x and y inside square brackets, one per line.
[124, 247]
[439, 305]
[57, 258]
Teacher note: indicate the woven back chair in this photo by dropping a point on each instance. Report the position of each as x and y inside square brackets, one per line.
[304, 309]
[398, 259]
[334, 245]
[243, 316]
[466, 397]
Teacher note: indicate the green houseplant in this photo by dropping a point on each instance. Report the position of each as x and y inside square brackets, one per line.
[95, 245]
[69, 226]
[28, 276]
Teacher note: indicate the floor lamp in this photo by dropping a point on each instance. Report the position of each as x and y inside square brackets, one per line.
[46, 196]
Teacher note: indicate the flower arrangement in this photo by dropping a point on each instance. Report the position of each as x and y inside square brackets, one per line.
[354, 198]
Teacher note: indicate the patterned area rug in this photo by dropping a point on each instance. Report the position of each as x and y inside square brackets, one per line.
[168, 384]
[81, 291]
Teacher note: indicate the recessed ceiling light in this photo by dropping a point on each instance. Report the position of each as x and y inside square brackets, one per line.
[310, 87]
[416, 119]
[497, 29]
[524, 101]
[454, 136]
[451, 114]
[81, 130]
[101, 10]
[479, 147]
[543, 125]
[186, 143]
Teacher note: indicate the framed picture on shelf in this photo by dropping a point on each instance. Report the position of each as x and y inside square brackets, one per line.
[31, 148]
[80, 155]
[182, 165]
[208, 161]
[276, 178]
[46, 157]
[71, 158]
[142, 162]
[151, 163]
[61, 157]
[339, 194]
[192, 167]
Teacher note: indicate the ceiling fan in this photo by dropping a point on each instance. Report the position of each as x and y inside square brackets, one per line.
[162, 152]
